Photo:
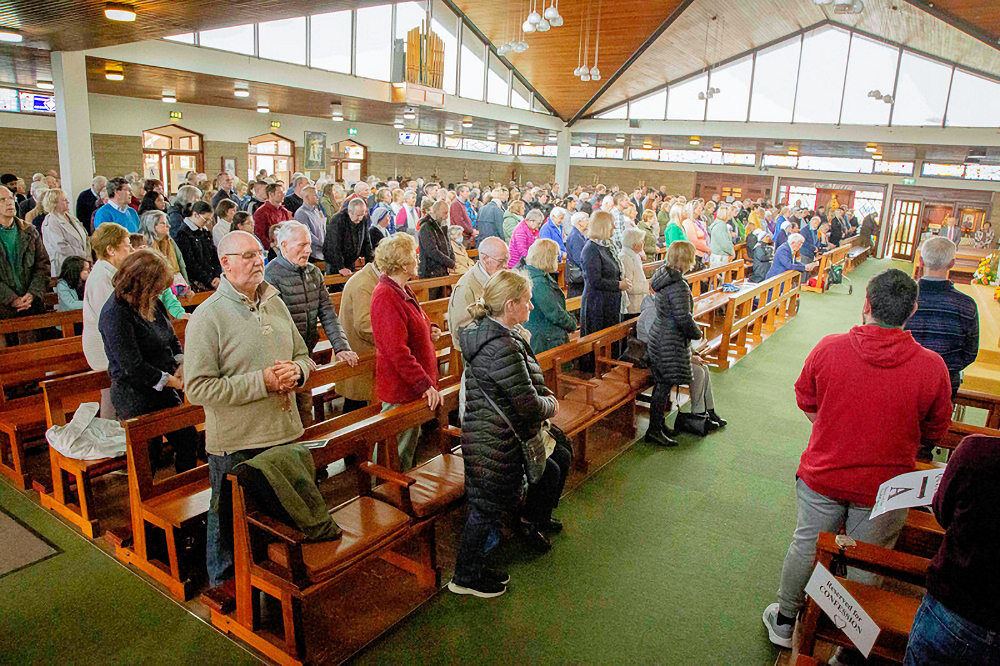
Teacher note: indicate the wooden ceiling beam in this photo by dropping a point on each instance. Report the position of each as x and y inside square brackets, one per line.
[632, 58]
[954, 19]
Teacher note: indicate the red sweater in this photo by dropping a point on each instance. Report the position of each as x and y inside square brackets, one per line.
[266, 216]
[876, 394]
[405, 361]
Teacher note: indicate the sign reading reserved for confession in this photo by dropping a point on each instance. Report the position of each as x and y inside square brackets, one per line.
[842, 609]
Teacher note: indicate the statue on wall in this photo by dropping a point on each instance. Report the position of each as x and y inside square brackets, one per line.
[465, 175]
[834, 203]
[492, 178]
[513, 174]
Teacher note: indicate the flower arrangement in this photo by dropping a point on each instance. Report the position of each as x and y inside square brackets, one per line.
[986, 273]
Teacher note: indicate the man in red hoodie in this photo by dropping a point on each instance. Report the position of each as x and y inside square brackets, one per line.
[873, 396]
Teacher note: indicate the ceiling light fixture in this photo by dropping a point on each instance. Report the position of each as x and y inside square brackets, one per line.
[491, 137]
[620, 139]
[585, 144]
[595, 73]
[398, 125]
[871, 148]
[717, 148]
[553, 138]
[551, 14]
[10, 35]
[45, 84]
[877, 156]
[241, 90]
[119, 11]
[263, 108]
[792, 150]
[337, 110]
[514, 131]
[114, 73]
[169, 98]
[449, 132]
[695, 141]
[409, 114]
[466, 123]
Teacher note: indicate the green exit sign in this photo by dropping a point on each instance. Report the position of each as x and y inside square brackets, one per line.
[176, 115]
[908, 181]
[352, 131]
[275, 124]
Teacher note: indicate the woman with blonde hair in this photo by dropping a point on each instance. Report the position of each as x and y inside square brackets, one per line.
[631, 257]
[674, 231]
[695, 231]
[549, 322]
[604, 282]
[512, 217]
[651, 230]
[143, 352]
[669, 351]
[62, 234]
[507, 403]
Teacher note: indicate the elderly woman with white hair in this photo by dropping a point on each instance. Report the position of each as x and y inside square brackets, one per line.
[575, 240]
[553, 228]
[524, 234]
[181, 207]
[462, 261]
[408, 214]
[632, 255]
[786, 257]
[62, 234]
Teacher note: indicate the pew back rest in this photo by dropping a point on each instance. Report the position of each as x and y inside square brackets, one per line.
[138, 434]
[64, 395]
[64, 320]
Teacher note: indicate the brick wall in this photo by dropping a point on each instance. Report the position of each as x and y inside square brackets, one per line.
[116, 155]
[456, 169]
[27, 152]
[677, 182]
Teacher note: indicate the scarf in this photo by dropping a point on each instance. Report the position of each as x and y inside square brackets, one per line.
[612, 249]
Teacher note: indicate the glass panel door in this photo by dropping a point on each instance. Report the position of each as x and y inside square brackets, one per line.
[906, 225]
[350, 172]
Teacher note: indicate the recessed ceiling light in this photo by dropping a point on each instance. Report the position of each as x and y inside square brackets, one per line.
[241, 90]
[792, 150]
[11, 35]
[491, 137]
[514, 131]
[584, 144]
[409, 114]
[553, 138]
[876, 156]
[449, 131]
[337, 119]
[717, 148]
[620, 139]
[695, 141]
[119, 11]
[114, 73]
[169, 99]
[45, 84]
[262, 108]
[871, 148]
[398, 125]
[466, 123]
[337, 110]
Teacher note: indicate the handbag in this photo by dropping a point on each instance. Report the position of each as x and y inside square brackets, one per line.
[536, 450]
[574, 274]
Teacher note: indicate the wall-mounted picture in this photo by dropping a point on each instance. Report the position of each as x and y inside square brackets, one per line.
[229, 165]
[315, 151]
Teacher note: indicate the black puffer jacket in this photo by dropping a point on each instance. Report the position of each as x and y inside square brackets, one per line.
[763, 255]
[304, 294]
[673, 328]
[503, 362]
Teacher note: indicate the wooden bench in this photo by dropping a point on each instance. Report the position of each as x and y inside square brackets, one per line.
[710, 279]
[991, 403]
[62, 397]
[274, 558]
[752, 315]
[66, 321]
[173, 506]
[891, 611]
[835, 257]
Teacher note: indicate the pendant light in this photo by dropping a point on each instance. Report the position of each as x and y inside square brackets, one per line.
[551, 14]
[534, 18]
[579, 58]
[584, 72]
[595, 73]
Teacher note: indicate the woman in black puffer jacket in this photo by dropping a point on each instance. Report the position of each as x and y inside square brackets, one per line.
[669, 354]
[498, 363]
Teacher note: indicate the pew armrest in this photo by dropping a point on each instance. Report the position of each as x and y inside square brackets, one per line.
[452, 431]
[607, 360]
[276, 528]
[387, 475]
[877, 560]
[587, 384]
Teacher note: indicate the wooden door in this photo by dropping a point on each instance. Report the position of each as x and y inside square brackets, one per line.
[905, 226]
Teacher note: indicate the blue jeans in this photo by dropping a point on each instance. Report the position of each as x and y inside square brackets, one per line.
[940, 637]
[219, 522]
[406, 440]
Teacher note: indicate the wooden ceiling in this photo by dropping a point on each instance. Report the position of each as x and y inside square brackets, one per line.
[979, 17]
[71, 25]
[552, 56]
[696, 40]
[147, 82]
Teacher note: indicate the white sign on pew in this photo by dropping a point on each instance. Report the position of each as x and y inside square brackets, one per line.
[906, 491]
[842, 609]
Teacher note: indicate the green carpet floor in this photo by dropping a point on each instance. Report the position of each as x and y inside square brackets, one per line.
[669, 556]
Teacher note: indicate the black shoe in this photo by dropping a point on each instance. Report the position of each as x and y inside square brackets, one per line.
[531, 535]
[716, 419]
[552, 525]
[658, 438]
[497, 575]
[484, 588]
[691, 423]
[710, 425]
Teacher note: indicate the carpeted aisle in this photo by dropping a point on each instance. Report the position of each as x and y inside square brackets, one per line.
[669, 556]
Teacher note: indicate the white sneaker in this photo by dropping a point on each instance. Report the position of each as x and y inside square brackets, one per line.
[484, 589]
[780, 634]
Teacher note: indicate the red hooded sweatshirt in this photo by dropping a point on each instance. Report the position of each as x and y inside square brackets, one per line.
[877, 395]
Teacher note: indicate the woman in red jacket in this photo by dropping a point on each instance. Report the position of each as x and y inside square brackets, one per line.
[405, 361]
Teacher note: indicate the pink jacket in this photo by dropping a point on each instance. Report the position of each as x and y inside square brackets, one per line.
[520, 240]
[697, 237]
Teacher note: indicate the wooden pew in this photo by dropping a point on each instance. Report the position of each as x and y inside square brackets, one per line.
[172, 506]
[274, 558]
[66, 321]
[856, 253]
[891, 611]
[991, 403]
[62, 397]
[835, 257]
[746, 325]
[713, 278]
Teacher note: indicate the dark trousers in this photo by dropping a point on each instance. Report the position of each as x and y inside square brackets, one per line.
[658, 406]
[219, 524]
[543, 495]
[351, 405]
[184, 442]
[471, 556]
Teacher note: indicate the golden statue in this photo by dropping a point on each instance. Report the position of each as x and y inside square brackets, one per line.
[834, 204]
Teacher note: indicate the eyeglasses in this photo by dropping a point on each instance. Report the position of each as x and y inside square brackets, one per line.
[247, 256]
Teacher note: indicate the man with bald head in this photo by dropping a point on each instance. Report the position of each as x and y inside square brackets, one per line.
[493, 256]
[243, 358]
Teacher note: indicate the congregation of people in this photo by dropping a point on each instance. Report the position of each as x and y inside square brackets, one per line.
[127, 253]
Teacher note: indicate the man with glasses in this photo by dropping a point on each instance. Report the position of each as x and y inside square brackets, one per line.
[117, 209]
[243, 358]
[493, 256]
